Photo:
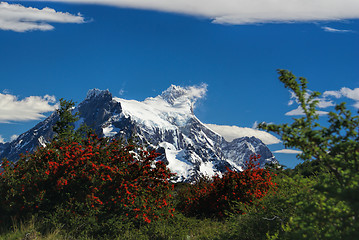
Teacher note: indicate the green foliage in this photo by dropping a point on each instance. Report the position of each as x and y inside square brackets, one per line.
[268, 215]
[308, 169]
[333, 209]
[64, 128]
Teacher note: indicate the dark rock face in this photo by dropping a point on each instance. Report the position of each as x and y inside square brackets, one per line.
[190, 148]
[3, 146]
[30, 140]
[97, 109]
[240, 150]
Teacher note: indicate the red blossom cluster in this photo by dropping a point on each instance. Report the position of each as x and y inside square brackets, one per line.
[216, 196]
[94, 175]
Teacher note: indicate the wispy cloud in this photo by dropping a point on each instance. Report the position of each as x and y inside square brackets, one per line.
[121, 92]
[288, 151]
[334, 30]
[335, 94]
[176, 94]
[299, 112]
[232, 132]
[13, 137]
[2, 140]
[352, 94]
[15, 17]
[325, 100]
[29, 108]
[246, 11]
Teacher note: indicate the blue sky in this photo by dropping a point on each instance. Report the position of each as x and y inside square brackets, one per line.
[136, 49]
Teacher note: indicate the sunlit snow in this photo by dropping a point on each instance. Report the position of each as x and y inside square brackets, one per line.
[110, 131]
[156, 112]
[176, 160]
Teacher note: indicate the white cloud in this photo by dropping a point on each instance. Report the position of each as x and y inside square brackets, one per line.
[179, 95]
[299, 112]
[18, 18]
[295, 112]
[334, 30]
[349, 93]
[121, 92]
[246, 11]
[335, 94]
[13, 137]
[323, 102]
[30, 108]
[196, 92]
[352, 94]
[232, 132]
[288, 151]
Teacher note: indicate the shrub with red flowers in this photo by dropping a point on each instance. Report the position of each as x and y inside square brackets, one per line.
[219, 195]
[91, 177]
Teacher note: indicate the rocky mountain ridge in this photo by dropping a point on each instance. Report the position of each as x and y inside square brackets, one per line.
[165, 123]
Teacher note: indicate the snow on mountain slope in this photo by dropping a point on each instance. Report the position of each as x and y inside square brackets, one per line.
[165, 123]
[174, 107]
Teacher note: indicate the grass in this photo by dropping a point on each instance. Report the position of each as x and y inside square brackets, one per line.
[27, 231]
[180, 227]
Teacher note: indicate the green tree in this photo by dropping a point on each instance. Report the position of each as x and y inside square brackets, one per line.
[332, 211]
[64, 128]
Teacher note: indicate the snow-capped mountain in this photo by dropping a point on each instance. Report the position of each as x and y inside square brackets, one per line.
[165, 123]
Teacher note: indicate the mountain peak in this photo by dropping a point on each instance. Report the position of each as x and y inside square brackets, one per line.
[175, 93]
[172, 93]
[97, 93]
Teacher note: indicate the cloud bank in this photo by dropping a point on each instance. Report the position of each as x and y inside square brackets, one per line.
[232, 132]
[15, 17]
[245, 11]
[30, 108]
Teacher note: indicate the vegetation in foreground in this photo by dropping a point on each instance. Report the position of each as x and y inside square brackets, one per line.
[84, 187]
